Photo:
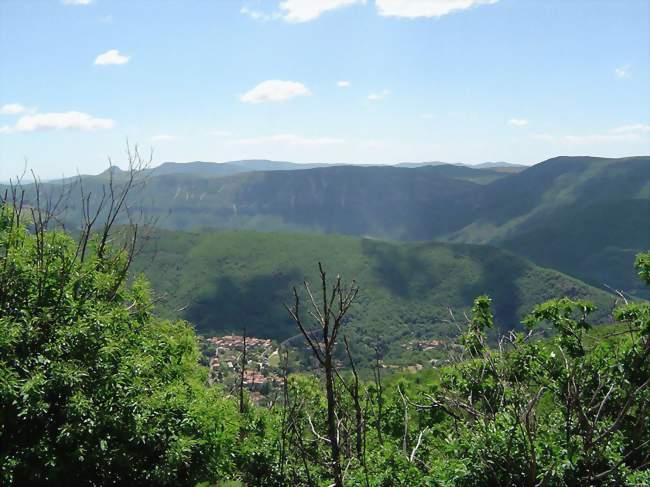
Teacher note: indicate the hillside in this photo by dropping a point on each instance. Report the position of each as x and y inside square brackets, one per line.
[527, 199]
[584, 216]
[224, 281]
[378, 201]
[211, 169]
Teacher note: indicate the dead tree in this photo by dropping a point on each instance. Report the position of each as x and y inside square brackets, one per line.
[360, 425]
[328, 316]
[285, 406]
[353, 389]
[380, 399]
[242, 373]
[48, 204]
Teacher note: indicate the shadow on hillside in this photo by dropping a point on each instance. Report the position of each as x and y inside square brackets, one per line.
[395, 268]
[409, 274]
[257, 304]
[528, 188]
[499, 275]
[616, 181]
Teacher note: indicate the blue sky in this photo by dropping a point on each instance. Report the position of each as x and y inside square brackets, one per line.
[374, 81]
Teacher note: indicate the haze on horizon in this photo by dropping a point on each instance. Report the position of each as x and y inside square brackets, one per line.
[336, 81]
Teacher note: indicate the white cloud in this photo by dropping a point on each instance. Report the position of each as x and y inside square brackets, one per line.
[518, 122]
[289, 139]
[597, 138]
[378, 96]
[299, 10]
[162, 138]
[623, 71]
[275, 90]
[372, 144]
[111, 56]
[59, 121]
[77, 2]
[544, 137]
[625, 133]
[425, 8]
[12, 109]
[638, 128]
[259, 15]
[306, 10]
[343, 84]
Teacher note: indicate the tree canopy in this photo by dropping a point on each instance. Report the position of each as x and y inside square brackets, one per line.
[93, 389]
[96, 390]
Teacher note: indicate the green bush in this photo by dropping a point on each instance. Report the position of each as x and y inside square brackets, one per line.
[93, 389]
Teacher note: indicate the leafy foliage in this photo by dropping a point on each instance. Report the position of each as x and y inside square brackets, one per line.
[568, 411]
[223, 281]
[584, 216]
[93, 389]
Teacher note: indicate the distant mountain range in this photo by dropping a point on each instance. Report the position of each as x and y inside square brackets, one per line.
[228, 168]
[498, 166]
[584, 216]
[213, 169]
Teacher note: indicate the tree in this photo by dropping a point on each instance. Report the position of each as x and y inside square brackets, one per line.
[242, 375]
[328, 317]
[569, 411]
[93, 389]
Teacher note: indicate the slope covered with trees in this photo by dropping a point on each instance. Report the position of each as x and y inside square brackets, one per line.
[584, 216]
[225, 281]
[94, 390]
[389, 202]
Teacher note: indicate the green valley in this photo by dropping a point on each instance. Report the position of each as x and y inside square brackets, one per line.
[225, 281]
[583, 216]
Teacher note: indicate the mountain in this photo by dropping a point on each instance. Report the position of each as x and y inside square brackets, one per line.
[494, 166]
[201, 169]
[211, 169]
[584, 216]
[379, 201]
[225, 281]
[506, 167]
[421, 164]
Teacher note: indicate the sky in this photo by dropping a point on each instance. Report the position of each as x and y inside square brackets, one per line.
[344, 81]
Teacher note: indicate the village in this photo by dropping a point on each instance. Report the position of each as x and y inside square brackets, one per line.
[261, 371]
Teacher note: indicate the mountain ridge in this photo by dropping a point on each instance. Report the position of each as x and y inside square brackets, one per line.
[519, 211]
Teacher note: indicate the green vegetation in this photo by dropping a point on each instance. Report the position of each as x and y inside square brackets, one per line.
[583, 216]
[380, 201]
[100, 381]
[93, 389]
[226, 281]
[568, 411]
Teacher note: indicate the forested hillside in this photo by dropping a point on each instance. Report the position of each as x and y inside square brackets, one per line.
[379, 201]
[407, 266]
[226, 281]
[583, 216]
[96, 390]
